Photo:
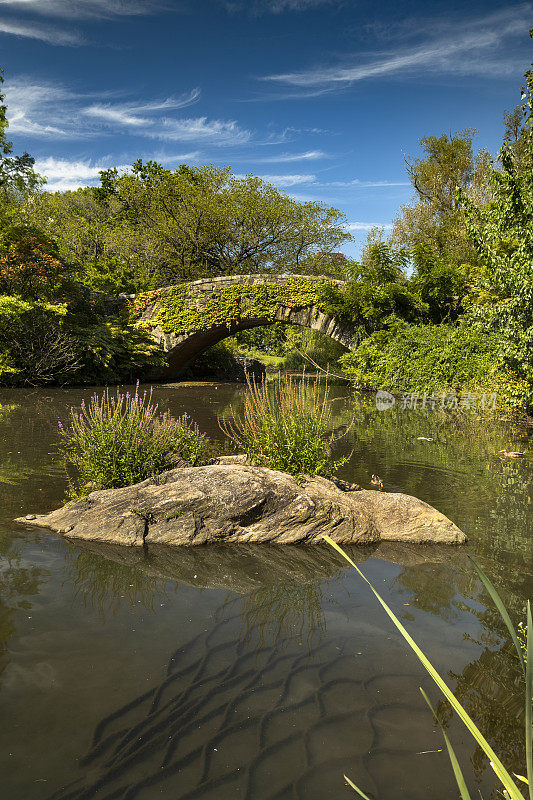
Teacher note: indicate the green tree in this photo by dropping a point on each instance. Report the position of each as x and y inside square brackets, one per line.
[502, 233]
[207, 221]
[377, 295]
[94, 236]
[436, 218]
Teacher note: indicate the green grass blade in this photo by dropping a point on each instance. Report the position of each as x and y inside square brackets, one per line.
[356, 789]
[529, 702]
[502, 611]
[459, 778]
[497, 766]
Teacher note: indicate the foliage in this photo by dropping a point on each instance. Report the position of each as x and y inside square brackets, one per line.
[442, 286]
[115, 351]
[207, 221]
[377, 295]
[119, 440]
[29, 263]
[304, 346]
[436, 218]
[17, 175]
[105, 251]
[227, 306]
[509, 787]
[427, 358]
[284, 426]
[35, 346]
[502, 233]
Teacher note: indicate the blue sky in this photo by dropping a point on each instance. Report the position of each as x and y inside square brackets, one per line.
[322, 97]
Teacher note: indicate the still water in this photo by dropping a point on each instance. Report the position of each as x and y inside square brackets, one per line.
[260, 672]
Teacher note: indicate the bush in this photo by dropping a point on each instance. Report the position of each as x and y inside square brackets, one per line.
[428, 358]
[284, 426]
[35, 347]
[121, 440]
[114, 351]
[30, 265]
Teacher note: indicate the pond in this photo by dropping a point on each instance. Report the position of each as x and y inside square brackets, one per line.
[261, 672]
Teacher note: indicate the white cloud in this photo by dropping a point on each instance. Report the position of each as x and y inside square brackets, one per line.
[288, 180]
[200, 129]
[63, 174]
[366, 184]
[41, 109]
[130, 114]
[45, 110]
[287, 158]
[473, 51]
[43, 33]
[275, 6]
[367, 226]
[78, 9]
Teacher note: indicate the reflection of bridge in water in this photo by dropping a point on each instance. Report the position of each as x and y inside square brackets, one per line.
[183, 347]
[244, 712]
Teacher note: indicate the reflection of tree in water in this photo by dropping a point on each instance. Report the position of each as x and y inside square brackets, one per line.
[491, 688]
[281, 613]
[107, 585]
[18, 584]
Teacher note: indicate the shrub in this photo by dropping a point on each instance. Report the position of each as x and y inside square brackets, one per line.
[284, 426]
[35, 347]
[113, 351]
[29, 263]
[121, 440]
[427, 358]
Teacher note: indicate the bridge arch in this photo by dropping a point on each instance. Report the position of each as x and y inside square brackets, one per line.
[190, 318]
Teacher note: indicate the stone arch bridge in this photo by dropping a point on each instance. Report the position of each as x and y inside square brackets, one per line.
[187, 319]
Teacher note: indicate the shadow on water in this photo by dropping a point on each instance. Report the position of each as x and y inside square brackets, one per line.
[260, 672]
[260, 704]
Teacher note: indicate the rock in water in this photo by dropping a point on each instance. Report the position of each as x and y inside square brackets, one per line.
[238, 502]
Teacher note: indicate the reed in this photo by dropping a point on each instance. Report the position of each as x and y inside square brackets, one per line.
[284, 425]
[508, 783]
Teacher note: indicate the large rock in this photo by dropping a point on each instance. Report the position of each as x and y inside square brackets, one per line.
[232, 501]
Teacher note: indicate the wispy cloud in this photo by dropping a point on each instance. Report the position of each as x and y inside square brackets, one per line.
[286, 181]
[135, 114]
[257, 7]
[476, 50]
[80, 9]
[289, 158]
[356, 183]
[43, 33]
[29, 114]
[200, 129]
[44, 110]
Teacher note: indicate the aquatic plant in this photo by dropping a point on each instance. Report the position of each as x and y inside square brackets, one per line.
[115, 441]
[524, 650]
[284, 426]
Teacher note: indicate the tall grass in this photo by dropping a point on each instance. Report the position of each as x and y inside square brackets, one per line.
[118, 440]
[284, 426]
[509, 787]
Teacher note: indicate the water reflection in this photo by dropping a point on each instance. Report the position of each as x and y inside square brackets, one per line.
[292, 676]
[19, 583]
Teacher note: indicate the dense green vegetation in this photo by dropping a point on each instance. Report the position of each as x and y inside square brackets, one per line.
[117, 440]
[285, 427]
[442, 303]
